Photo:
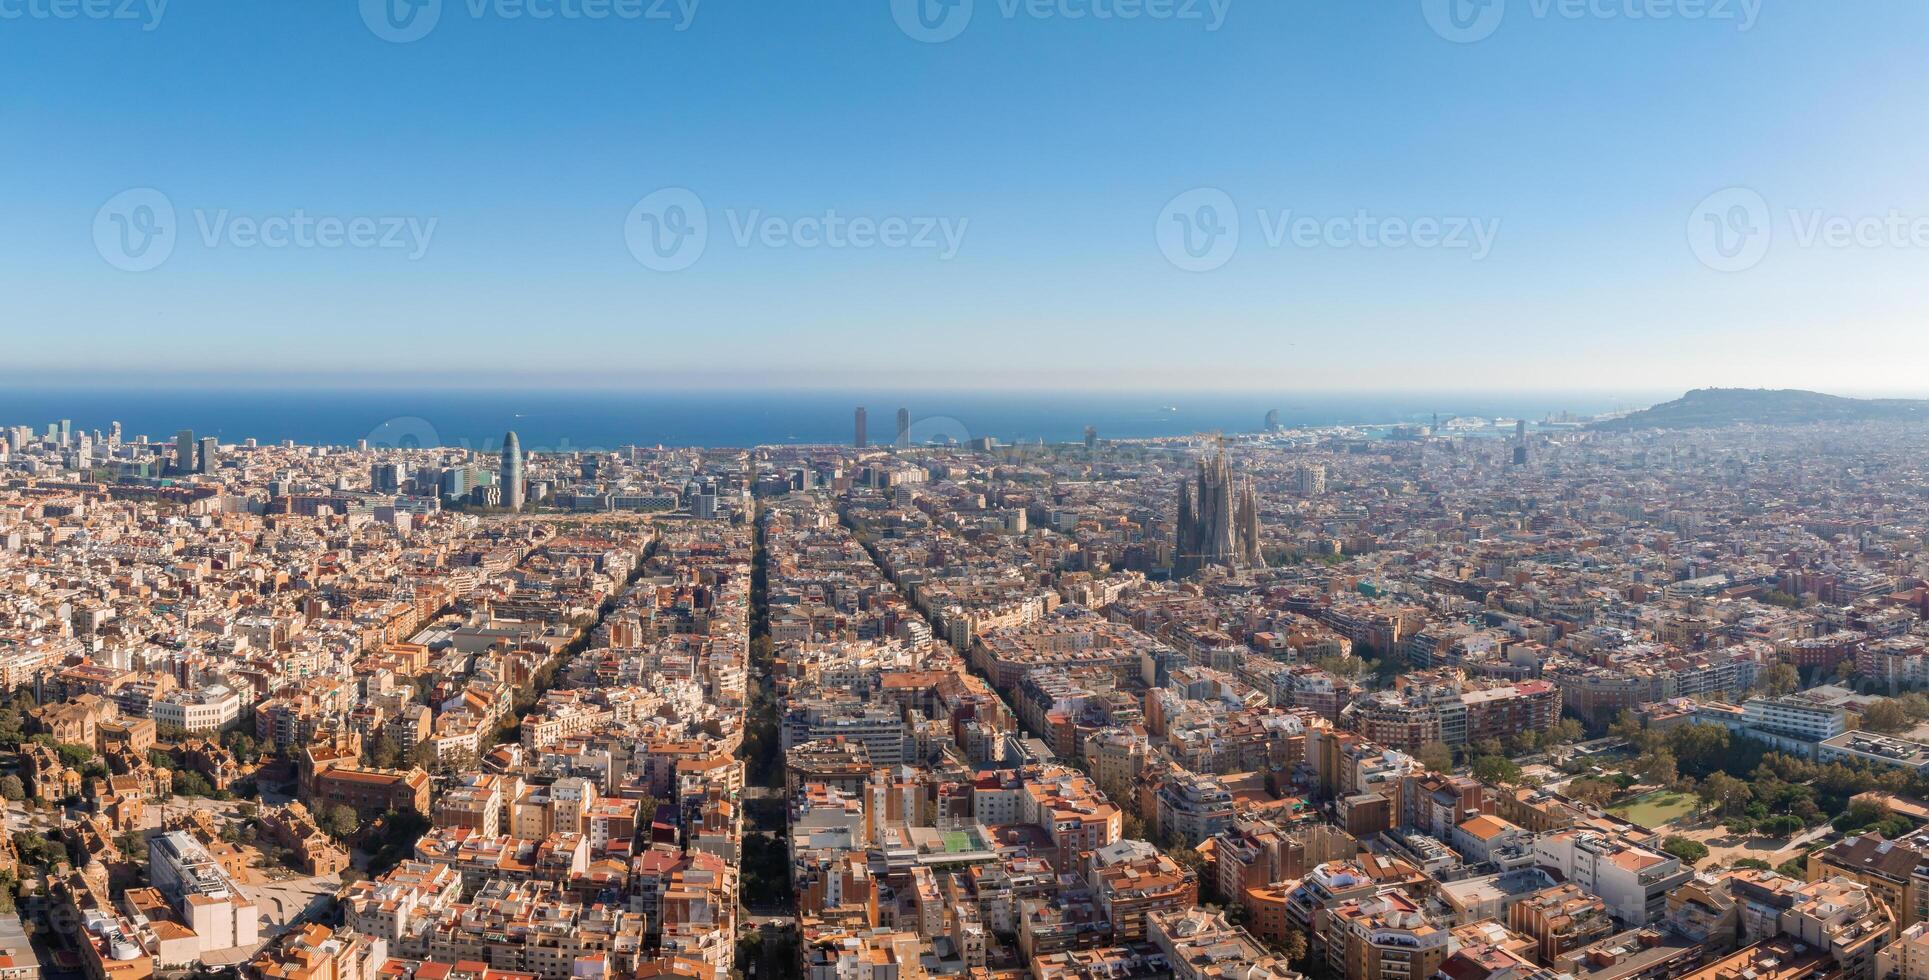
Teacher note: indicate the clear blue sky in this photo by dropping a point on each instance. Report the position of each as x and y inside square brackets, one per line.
[1586, 142]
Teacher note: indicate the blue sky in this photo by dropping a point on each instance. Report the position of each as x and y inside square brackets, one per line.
[1035, 154]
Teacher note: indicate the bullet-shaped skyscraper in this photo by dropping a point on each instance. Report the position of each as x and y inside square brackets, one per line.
[863, 438]
[512, 485]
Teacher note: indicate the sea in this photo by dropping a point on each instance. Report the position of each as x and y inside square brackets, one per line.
[601, 419]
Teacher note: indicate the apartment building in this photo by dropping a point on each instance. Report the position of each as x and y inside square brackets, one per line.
[1560, 919]
[201, 893]
[1632, 880]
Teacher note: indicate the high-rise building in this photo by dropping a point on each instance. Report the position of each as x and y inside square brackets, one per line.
[1311, 478]
[1520, 442]
[114, 435]
[387, 477]
[457, 481]
[512, 482]
[863, 438]
[184, 451]
[210, 454]
[1272, 420]
[1091, 437]
[1218, 523]
[904, 428]
[66, 433]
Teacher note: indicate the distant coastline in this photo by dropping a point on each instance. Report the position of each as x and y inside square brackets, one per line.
[550, 420]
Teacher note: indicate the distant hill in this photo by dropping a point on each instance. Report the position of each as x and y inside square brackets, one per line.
[1706, 408]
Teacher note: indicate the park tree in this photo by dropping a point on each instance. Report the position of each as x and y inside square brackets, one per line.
[12, 788]
[1496, 769]
[1437, 757]
[1726, 793]
[383, 753]
[1689, 851]
[1700, 749]
[1292, 945]
[1885, 715]
[340, 821]
[1915, 704]
[1779, 679]
[1593, 791]
[1660, 768]
[1342, 666]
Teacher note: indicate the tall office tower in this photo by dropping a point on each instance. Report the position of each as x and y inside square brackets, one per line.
[184, 451]
[904, 427]
[1218, 524]
[114, 435]
[1091, 438]
[1520, 442]
[66, 433]
[863, 438]
[1312, 479]
[512, 485]
[210, 454]
[1272, 420]
[387, 477]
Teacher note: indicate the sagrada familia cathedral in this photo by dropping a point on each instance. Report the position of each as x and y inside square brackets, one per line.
[1218, 523]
